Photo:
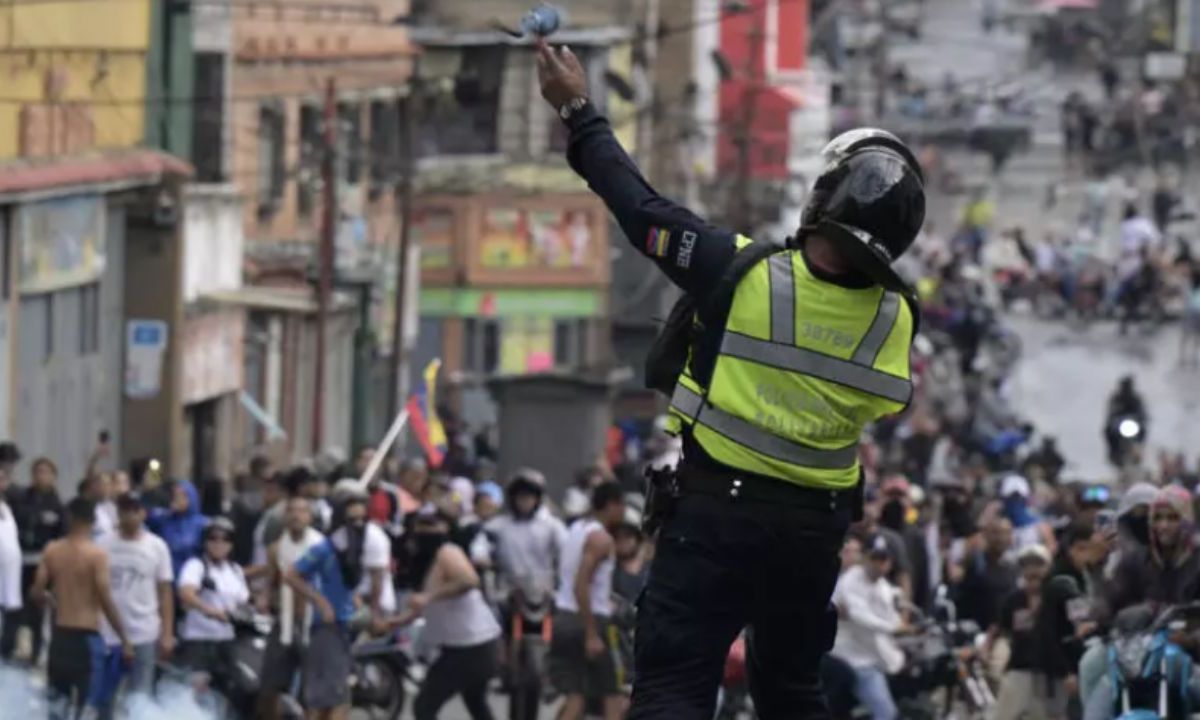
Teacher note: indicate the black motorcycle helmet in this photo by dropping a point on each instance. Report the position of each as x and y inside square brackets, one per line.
[525, 480]
[869, 200]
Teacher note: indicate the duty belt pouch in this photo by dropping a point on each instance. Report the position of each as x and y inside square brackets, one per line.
[699, 325]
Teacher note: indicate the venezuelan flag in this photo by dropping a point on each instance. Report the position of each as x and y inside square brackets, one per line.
[657, 242]
[423, 417]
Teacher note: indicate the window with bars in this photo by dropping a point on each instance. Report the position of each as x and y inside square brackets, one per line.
[272, 175]
[350, 126]
[89, 319]
[385, 144]
[310, 160]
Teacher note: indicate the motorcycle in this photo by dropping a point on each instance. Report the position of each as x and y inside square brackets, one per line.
[529, 643]
[235, 689]
[1148, 673]
[381, 666]
[942, 656]
[1123, 432]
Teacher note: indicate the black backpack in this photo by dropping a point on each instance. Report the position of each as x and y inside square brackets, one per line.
[699, 326]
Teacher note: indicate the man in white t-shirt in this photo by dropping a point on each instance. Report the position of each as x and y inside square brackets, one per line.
[867, 606]
[139, 564]
[10, 552]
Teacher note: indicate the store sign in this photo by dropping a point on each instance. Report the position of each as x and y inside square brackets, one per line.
[433, 232]
[212, 354]
[61, 242]
[550, 302]
[516, 238]
[145, 345]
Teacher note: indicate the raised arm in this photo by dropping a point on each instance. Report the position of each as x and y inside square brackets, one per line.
[692, 253]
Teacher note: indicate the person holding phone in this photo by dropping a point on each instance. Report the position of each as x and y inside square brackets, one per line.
[1166, 571]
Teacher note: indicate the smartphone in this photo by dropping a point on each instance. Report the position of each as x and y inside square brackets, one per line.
[1106, 521]
[103, 437]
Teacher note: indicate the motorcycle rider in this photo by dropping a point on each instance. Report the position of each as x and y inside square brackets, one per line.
[1165, 571]
[211, 586]
[1125, 404]
[526, 543]
[867, 603]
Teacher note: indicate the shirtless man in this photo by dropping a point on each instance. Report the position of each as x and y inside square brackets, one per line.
[75, 570]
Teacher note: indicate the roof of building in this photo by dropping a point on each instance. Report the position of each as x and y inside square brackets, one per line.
[129, 167]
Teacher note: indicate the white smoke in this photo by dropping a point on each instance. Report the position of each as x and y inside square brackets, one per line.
[23, 695]
[172, 701]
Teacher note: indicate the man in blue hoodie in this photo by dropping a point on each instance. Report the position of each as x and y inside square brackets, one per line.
[180, 524]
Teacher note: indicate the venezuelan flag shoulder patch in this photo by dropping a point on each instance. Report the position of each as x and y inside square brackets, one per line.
[658, 241]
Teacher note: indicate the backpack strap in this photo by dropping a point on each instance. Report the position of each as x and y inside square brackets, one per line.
[714, 311]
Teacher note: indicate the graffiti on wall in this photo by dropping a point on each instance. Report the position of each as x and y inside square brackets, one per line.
[61, 242]
[515, 238]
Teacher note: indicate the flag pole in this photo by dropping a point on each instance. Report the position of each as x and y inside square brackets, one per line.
[384, 448]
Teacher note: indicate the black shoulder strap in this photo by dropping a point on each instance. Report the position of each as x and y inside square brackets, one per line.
[713, 313]
[720, 300]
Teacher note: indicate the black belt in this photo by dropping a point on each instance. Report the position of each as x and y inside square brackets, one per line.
[740, 488]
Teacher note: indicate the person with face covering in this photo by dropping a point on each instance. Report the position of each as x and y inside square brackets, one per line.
[1133, 523]
[1029, 528]
[458, 621]
[898, 515]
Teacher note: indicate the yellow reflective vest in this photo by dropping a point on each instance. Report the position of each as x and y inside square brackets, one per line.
[804, 366]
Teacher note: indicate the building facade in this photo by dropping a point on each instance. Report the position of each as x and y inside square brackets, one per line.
[90, 305]
[514, 250]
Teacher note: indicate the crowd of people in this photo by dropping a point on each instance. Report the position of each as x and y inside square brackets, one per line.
[139, 575]
[966, 502]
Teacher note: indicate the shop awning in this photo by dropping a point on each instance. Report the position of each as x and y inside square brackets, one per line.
[109, 170]
[299, 300]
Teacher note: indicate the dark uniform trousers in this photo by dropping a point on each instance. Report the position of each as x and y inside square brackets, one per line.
[724, 564]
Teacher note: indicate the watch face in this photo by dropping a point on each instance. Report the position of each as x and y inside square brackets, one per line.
[565, 111]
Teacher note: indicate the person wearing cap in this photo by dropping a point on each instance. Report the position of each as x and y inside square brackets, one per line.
[865, 641]
[775, 361]
[211, 586]
[1029, 528]
[139, 565]
[1021, 694]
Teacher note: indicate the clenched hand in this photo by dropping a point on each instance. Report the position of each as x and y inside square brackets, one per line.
[561, 75]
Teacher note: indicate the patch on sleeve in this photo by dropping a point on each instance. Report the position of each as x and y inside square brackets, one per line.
[658, 241]
[686, 243]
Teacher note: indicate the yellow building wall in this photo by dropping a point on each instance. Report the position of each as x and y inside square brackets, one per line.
[90, 52]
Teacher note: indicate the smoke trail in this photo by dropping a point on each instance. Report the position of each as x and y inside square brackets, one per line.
[23, 695]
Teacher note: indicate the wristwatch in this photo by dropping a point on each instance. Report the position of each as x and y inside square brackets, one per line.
[571, 107]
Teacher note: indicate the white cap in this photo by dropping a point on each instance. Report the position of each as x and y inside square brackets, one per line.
[1014, 485]
[1037, 551]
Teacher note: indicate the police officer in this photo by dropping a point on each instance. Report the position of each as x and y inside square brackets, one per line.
[813, 346]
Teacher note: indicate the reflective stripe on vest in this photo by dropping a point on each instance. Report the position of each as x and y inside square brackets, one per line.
[691, 404]
[783, 298]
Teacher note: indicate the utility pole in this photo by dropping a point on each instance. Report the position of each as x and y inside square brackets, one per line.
[329, 218]
[646, 118]
[404, 206]
[742, 211]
